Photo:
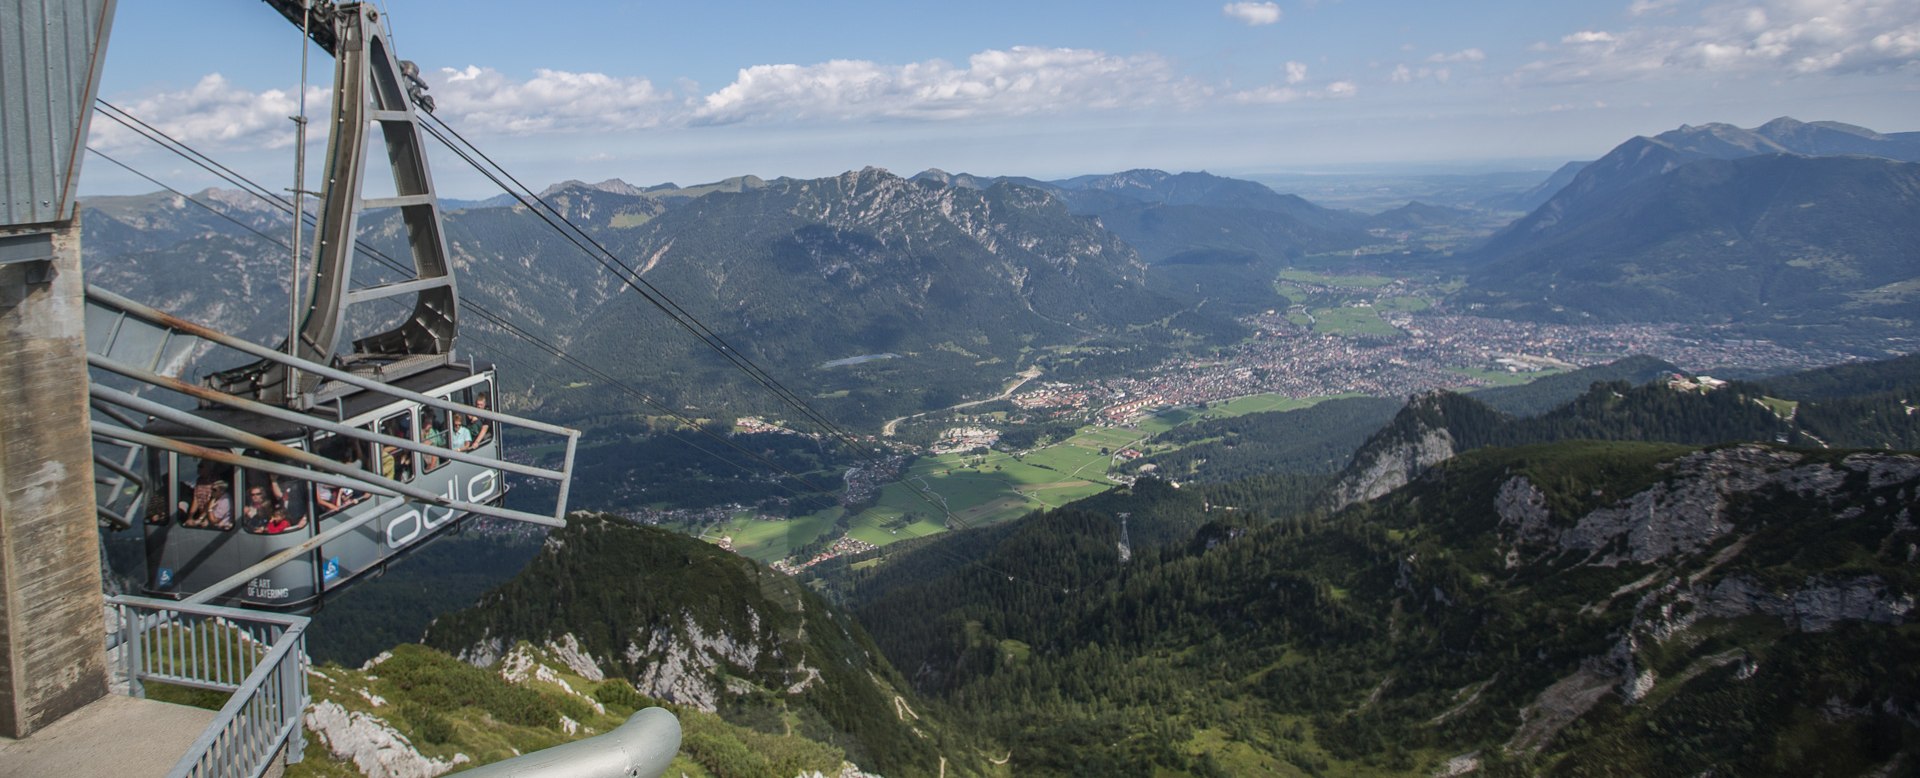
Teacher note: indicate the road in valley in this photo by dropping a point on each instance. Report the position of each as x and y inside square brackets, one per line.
[886, 430]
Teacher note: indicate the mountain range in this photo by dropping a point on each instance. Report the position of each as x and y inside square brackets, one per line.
[962, 280]
[1789, 223]
[894, 295]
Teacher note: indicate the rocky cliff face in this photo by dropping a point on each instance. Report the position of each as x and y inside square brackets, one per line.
[373, 746]
[683, 621]
[1694, 507]
[1391, 468]
[1717, 535]
[1385, 465]
[691, 656]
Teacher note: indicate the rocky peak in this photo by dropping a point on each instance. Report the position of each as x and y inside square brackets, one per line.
[1379, 469]
[1691, 510]
[611, 185]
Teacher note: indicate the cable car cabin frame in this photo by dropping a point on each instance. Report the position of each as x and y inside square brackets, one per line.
[197, 540]
[128, 341]
[266, 423]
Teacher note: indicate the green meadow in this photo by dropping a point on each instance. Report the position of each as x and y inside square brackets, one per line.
[982, 489]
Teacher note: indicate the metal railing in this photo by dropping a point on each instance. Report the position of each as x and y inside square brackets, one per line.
[133, 342]
[259, 658]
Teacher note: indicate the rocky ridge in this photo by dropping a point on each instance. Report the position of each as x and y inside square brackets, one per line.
[1703, 506]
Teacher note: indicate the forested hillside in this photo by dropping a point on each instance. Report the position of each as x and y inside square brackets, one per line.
[1317, 439]
[1520, 610]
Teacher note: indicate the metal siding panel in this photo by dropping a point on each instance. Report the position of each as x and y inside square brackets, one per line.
[50, 55]
[13, 121]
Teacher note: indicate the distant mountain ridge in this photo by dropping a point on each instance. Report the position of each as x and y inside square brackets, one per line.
[1721, 224]
[962, 281]
[1642, 157]
[1538, 194]
[798, 273]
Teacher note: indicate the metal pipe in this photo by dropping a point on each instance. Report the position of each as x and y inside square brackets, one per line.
[117, 469]
[284, 451]
[115, 414]
[642, 747]
[239, 460]
[164, 319]
[304, 420]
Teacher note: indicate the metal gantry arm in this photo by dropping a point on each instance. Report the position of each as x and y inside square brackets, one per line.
[317, 17]
[371, 87]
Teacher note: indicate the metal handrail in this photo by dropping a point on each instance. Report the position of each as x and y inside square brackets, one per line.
[642, 747]
[260, 658]
[163, 320]
[100, 356]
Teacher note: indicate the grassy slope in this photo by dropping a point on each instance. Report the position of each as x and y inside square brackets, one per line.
[444, 707]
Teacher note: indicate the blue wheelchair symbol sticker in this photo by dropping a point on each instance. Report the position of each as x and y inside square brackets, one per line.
[331, 570]
[163, 578]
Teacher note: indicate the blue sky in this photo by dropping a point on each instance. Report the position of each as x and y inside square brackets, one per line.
[689, 92]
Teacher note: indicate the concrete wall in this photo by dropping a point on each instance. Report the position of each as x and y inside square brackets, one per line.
[52, 657]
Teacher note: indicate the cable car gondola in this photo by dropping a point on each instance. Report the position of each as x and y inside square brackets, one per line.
[313, 465]
[206, 518]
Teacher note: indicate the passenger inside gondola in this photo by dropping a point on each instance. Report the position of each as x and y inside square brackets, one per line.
[212, 505]
[432, 435]
[332, 498]
[260, 505]
[461, 438]
[482, 428]
[292, 496]
[396, 463]
[161, 509]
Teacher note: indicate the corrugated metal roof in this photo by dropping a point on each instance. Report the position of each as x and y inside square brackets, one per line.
[50, 55]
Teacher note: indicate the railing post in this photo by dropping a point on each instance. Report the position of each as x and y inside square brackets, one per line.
[293, 689]
[133, 641]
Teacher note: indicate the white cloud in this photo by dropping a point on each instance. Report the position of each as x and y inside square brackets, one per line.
[1589, 36]
[1012, 82]
[1273, 95]
[1772, 37]
[214, 111]
[1463, 55]
[1267, 95]
[1405, 75]
[551, 101]
[1252, 14]
[1020, 81]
